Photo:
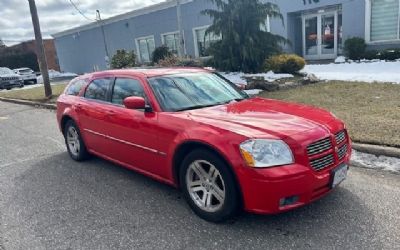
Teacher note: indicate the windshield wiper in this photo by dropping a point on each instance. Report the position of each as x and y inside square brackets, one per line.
[198, 107]
[210, 105]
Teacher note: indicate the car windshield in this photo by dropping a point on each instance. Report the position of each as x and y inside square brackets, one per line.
[187, 91]
[6, 71]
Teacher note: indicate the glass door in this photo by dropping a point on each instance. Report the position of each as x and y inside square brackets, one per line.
[321, 35]
[311, 36]
[328, 33]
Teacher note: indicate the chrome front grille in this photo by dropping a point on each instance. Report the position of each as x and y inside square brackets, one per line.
[321, 154]
[319, 146]
[323, 162]
[342, 152]
[6, 79]
[340, 137]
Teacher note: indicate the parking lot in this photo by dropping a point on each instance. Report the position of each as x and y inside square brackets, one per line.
[47, 201]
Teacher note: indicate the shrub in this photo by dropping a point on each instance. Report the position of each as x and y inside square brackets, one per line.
[161, 53]
[371, 55]
[174, 61]
[389, 54]
[123, 59]
[285, 63]
[355, 48]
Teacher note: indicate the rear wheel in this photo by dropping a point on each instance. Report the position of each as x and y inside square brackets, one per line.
[209, 186]
[73, 140]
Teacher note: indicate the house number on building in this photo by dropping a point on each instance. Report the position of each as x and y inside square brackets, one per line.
[310, 1]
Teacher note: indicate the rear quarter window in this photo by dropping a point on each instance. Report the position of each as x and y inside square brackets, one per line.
[75, 87]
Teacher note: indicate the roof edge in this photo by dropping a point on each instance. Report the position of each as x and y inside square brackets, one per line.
[138, 12]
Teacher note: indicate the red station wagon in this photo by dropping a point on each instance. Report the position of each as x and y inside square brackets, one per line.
[194, 129]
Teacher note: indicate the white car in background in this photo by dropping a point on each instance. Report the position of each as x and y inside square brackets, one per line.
[9, 80]
[27, 75]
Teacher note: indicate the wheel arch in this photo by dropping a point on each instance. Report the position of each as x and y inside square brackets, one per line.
[64, 119]
[188, 146]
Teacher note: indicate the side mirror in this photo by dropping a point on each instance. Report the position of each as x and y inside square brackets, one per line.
[134, 102]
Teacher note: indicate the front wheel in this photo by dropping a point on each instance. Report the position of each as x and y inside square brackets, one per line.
[209, 186]
[73, 140]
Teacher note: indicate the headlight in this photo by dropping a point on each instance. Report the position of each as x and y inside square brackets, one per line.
[262, 153]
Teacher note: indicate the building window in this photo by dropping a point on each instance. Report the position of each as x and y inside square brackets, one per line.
[171, 40]
[385, 20]
[203, 41]
[145, 47]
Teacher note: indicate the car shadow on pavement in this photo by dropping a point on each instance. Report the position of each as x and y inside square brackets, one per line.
[97, 204]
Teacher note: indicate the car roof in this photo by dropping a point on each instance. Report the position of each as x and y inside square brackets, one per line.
[21, 68]
[152, 72]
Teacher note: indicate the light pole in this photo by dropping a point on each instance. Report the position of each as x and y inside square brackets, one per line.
[40, 49]
[107, 56]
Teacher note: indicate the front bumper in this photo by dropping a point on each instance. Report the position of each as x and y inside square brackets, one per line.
[263, 189]
[11, 84]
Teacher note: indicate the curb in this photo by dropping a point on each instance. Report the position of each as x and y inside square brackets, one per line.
[364, 148]
[377, 150]
[30, 103]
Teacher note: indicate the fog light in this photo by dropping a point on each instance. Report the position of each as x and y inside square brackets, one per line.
[288, 201]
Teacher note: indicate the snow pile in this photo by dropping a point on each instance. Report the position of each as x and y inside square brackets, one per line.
[252, 92]
[340, 59]
[238, 77]
[375, 162]
[56, 74]
[376, 71]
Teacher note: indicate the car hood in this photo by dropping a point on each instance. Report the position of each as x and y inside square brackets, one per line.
[259, 117]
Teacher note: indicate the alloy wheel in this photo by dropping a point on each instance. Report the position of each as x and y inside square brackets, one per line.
[73, 141]
[205, 185]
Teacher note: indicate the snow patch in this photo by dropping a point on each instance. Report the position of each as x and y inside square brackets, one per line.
[371, 71]
[252, 92]
[340, 59]
[375, 162]
[238, 77]
[56, 74]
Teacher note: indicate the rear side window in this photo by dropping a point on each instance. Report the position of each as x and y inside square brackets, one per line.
[75, 87]
[125, 87]
[97, 89]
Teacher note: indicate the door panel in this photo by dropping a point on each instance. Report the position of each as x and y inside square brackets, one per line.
[93, 125]
[133, 133]
[311, 36]
[328, 34]
[133, 139]
[92, 117]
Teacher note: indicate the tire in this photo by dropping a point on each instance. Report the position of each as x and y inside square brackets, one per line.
[73, 140]
[214, 198]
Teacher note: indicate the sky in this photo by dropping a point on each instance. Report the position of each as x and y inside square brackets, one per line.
[57, 15]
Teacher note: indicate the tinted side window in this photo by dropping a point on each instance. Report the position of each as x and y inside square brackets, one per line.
[75, 87]
[97, 89]
[125, 87]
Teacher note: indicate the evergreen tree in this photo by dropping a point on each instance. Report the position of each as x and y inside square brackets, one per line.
[245, 43]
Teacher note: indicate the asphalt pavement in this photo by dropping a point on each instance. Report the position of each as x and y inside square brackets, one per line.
[48, 201]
